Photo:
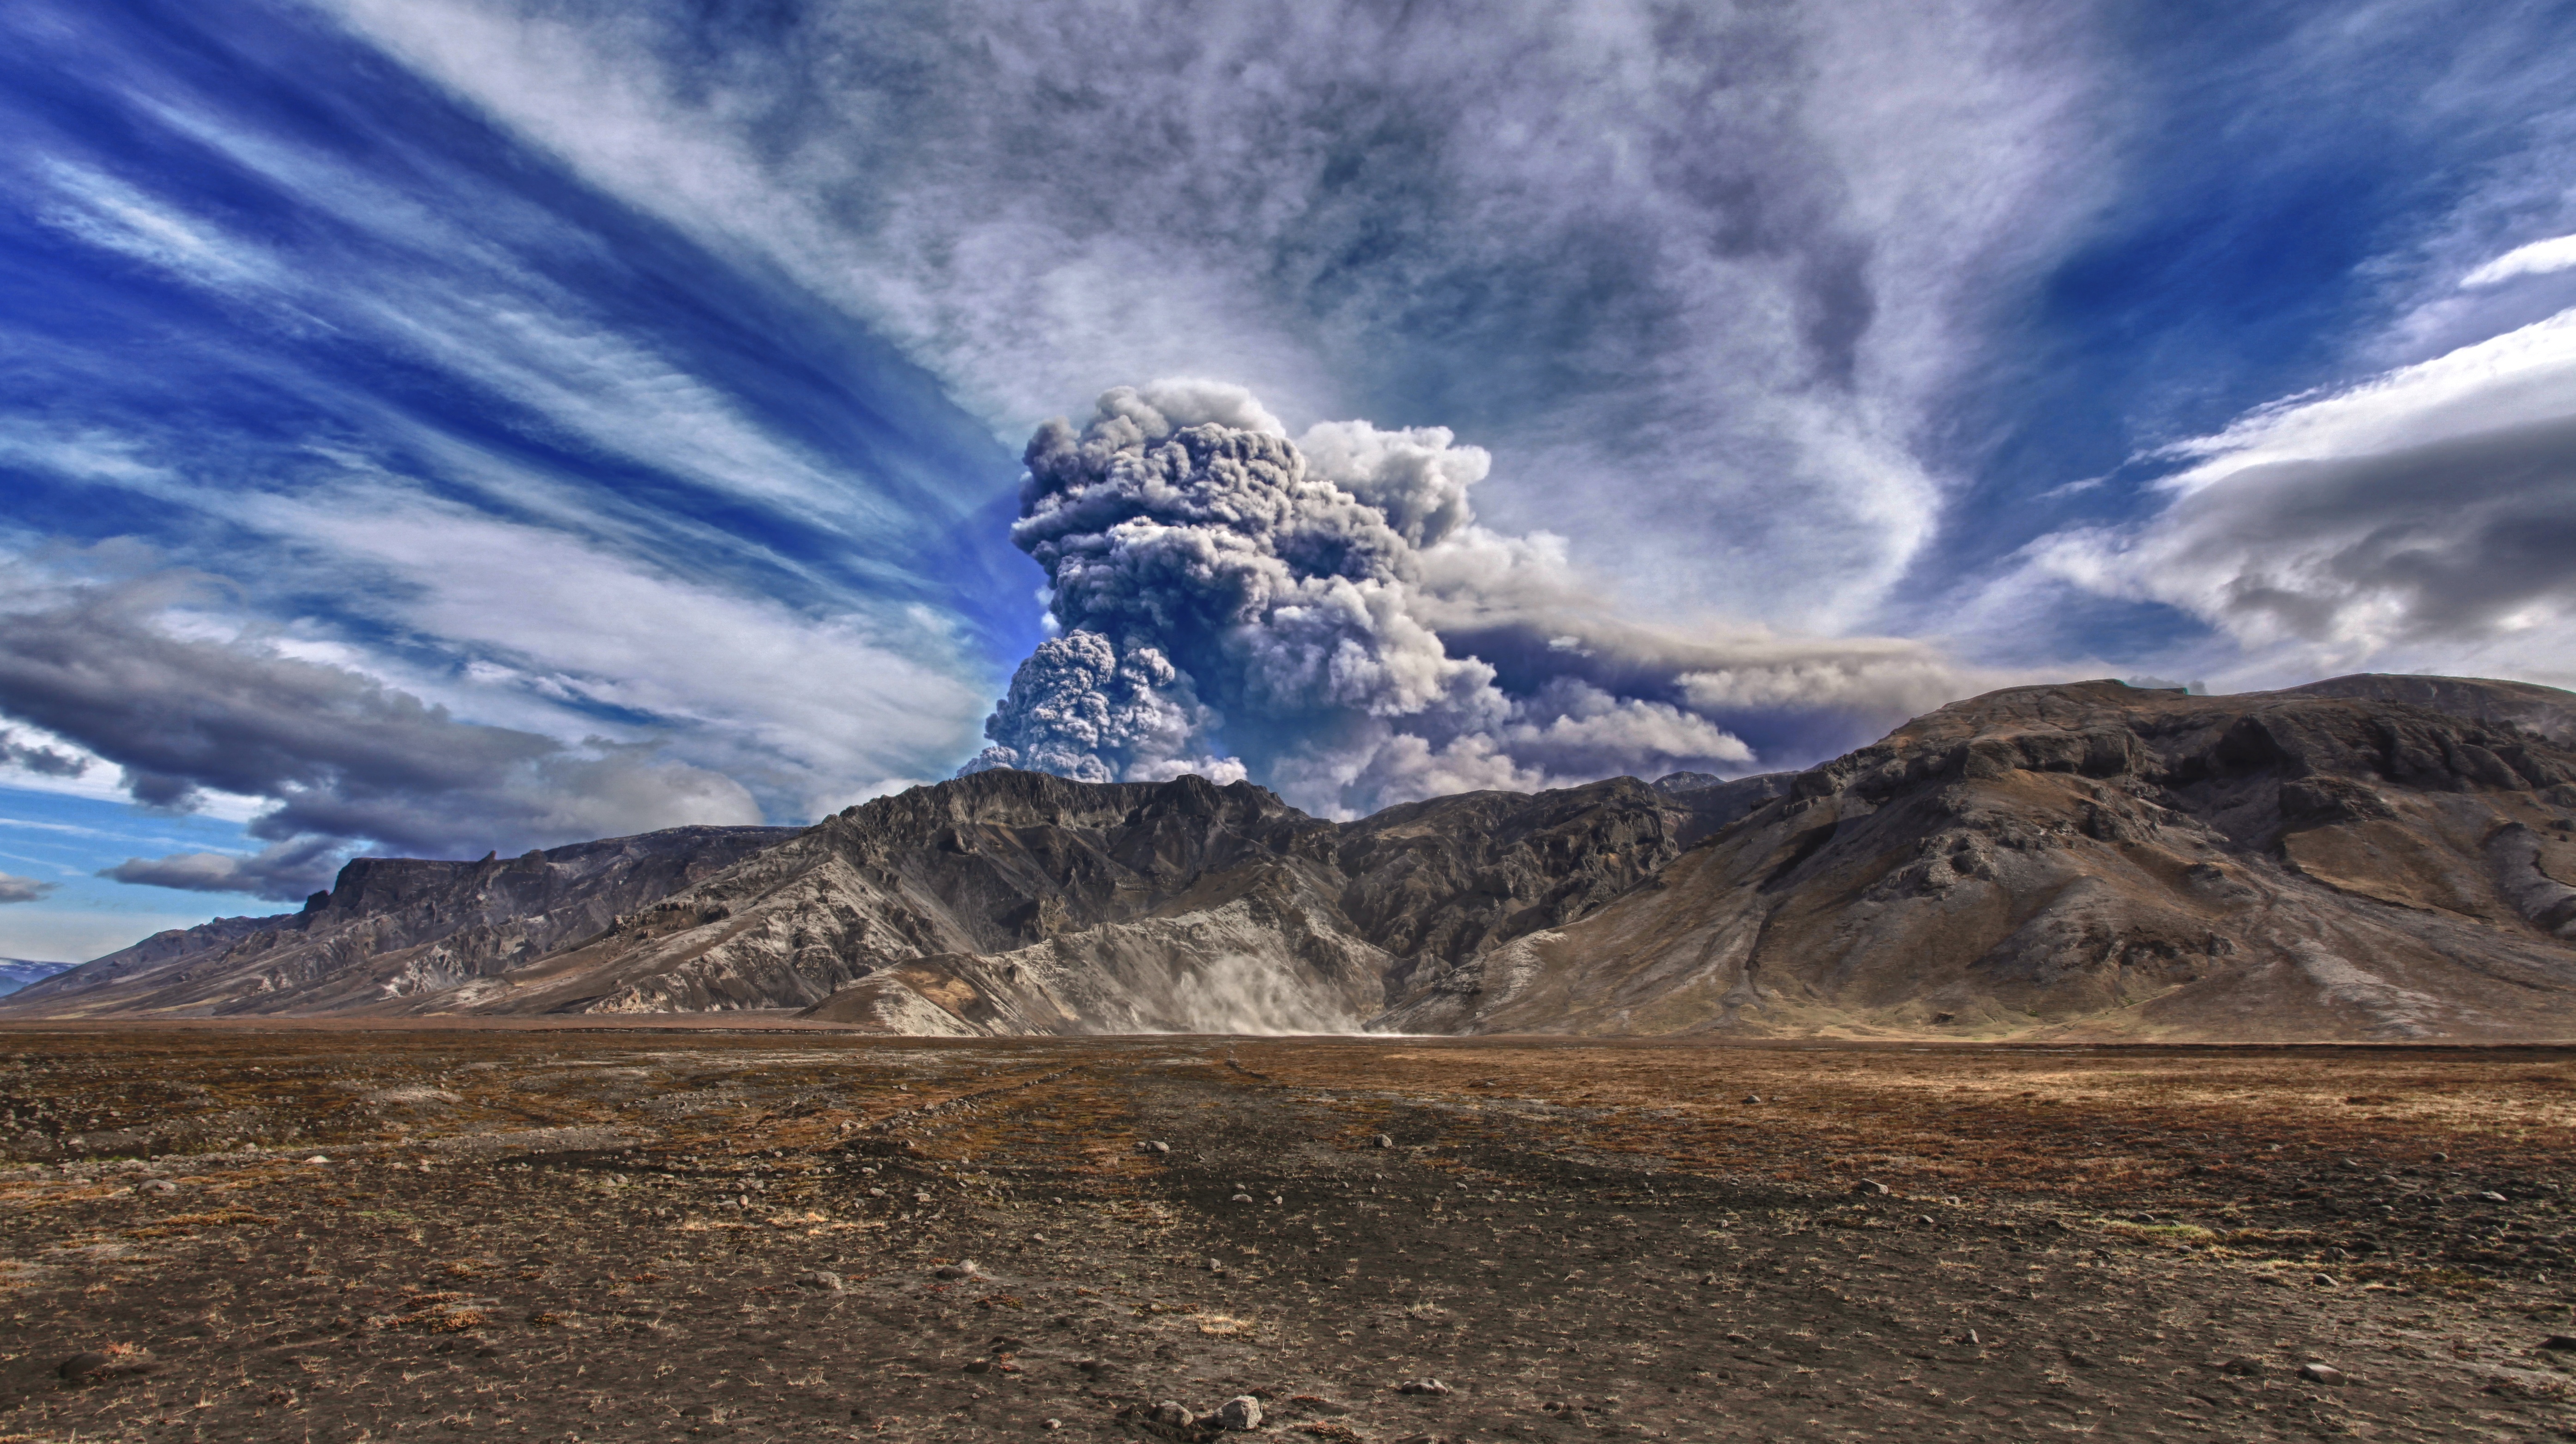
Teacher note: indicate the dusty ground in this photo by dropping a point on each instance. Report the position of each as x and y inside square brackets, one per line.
[601, 1234]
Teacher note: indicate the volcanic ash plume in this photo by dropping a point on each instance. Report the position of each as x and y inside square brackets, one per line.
[1233, 603]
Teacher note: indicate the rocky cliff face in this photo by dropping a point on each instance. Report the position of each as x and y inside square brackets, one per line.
[2369, 857]
[391, 930]
[2101, 860]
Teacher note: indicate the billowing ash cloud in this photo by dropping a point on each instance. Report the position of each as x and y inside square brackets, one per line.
[343, 761]
[1318, 614]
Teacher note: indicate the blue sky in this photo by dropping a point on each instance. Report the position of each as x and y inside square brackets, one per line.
[432, 426]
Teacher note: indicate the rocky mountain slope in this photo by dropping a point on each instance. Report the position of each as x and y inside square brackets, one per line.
[1017, 902]
[392, 929]
[2544, 712]
[2105, 861]
[2366, 857]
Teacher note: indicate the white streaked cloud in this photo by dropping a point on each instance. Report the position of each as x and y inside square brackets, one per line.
[474, 311]
[2536, 259]
[811, 708]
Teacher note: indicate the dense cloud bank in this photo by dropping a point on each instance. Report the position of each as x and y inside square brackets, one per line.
[1316, 613]
[341, 760]
[2424, 519]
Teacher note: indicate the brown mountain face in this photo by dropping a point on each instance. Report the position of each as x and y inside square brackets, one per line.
[2098, 860]
[2368, 857]
[392, 930]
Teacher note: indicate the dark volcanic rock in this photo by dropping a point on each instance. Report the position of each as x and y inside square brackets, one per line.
[2544, 712]
[1710, 802]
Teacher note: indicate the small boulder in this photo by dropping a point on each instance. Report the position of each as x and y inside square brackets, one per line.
[2560, 1343]
[1870, 1188]
[2321, 1373]
[1422, 1386]
[1153, 1147]
[1242, 1198]
[1385, 1142]
[2493, 1197]
[158, 1185]
[1752, 1097]
[962, 1269]
[821, 1281]
[117, 1361]
[1240, 1412]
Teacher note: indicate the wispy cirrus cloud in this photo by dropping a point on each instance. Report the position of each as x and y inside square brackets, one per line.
[1690, 264]
[455, 507]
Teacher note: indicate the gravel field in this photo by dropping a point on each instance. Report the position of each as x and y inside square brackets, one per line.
[279, 1234]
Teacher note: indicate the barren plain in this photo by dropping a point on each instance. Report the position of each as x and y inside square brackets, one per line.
[279, 1233]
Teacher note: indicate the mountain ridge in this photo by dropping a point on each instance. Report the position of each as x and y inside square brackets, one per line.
[2365, 857]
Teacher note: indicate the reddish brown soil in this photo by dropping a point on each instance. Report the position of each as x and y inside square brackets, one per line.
[598, 1234]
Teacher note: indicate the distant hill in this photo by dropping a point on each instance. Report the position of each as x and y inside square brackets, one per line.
[392, 929]
[16, 973]
[2364, 858]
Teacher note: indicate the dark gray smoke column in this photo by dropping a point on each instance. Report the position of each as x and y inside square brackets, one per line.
[1235, 604]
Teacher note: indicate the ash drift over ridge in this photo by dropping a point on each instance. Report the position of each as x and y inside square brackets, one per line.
[1233, 603]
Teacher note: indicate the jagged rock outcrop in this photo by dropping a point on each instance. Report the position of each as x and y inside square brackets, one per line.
[2099, 859]
[392, 929]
